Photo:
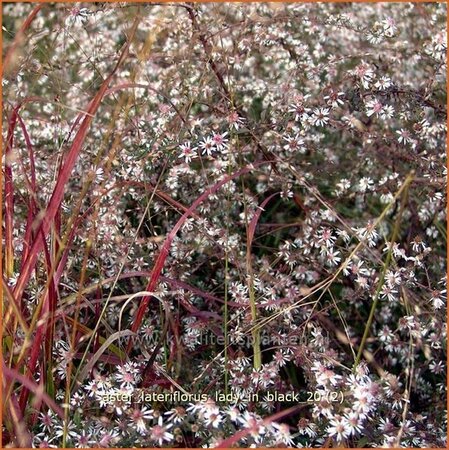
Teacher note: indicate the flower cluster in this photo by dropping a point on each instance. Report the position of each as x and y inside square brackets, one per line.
[225, 224]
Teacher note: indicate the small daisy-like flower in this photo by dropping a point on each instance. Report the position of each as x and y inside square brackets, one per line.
[220, 141]
[332, 257]
[325, 237]
[404, 136]
[41, 440]
[323, 408]
[437, 298]
[436, 367]
[385, 426]
[365, 184]
[294, 143]
[365, 74]
[398, 401]
[369, 233]
[389, 293]
[385, 334]
[374, 107]
[267, 376]
[234, 120]
[298, 107]
[138, 417]
[387, 112]
[207, 145]
[335, 99]
[96, 173]
[109, 438]
[128, 376]
[70, 430]
[320, 116]
[440, 41]
[176, 415]
[281, 357]
[324, 375]
[389, 26]
[357, 268]
[374, 37]
[418, 245]
[343, 185]
[362, 371]
[383, 83]
[47, 421]
[362, 406]
[188, 152]
[339, 428]
[386, 197]
[213, 418]
[194, 408]
[159, 433]
[77, 16]
[363, 282]
[435, 340]
[84, 440]
[12, 281]
[354, 423]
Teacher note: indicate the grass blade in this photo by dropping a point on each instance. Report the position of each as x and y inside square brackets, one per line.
[252, 301]
[38, 391]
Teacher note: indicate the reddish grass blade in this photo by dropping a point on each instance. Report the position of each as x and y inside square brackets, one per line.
[160, 261]
[21, 432]
[30, 153]
[64, 174]
[51, 299]
[44, 329]
[13, 375]
[57, 231]
[34, 356]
